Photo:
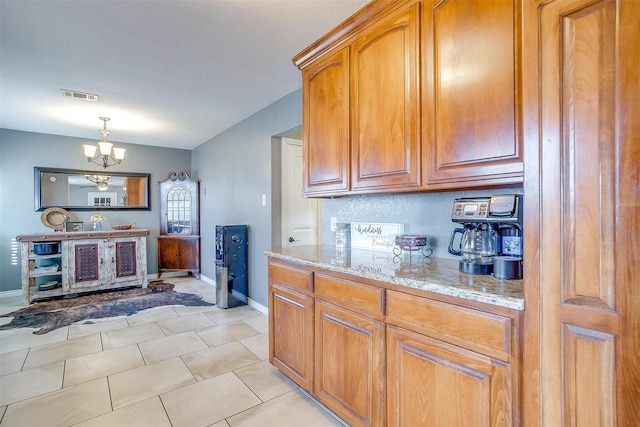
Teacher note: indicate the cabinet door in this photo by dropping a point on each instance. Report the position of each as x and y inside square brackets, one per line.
[190, 254]
[291, 334]
[325, 100]
[472, 93]
[168, 254]
[125, 259]
[87, 262]
[385, 145]
[431, 383]
[86, 267]
[349, 372]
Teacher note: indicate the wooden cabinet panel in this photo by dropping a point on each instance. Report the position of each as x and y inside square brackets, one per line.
[325, 98]
[356, 296]
[125, 259]
[87, 262]
[485, 332]
[349, 371]
[291, 334]
[431, 383]
[472, 92]
[589, 368]
[590, 158]
[385, 133]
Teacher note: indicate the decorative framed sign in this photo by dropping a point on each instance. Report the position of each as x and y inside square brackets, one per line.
[74, 226]
[375, 236]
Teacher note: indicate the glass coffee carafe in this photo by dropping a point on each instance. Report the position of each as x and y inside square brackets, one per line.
[477, 248]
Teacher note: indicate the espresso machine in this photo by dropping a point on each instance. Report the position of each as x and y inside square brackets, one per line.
[491, 233]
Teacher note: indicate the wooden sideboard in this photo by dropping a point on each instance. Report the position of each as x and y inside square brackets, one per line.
[81, 262]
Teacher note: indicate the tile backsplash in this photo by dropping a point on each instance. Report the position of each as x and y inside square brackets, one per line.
[425, 213]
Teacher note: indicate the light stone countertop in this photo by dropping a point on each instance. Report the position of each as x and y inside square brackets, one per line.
[438, 275]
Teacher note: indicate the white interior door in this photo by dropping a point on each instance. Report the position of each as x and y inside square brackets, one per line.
[300, 216]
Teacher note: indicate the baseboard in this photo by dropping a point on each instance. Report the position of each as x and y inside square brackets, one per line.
[256, 305]
[209, 280]
[253, 304]
[10, 294]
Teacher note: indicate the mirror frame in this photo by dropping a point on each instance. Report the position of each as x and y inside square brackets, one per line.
[38, 189]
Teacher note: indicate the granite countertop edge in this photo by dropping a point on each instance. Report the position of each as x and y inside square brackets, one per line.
[506, 301]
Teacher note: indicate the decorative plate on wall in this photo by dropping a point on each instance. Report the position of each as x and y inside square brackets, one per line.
[55, 218]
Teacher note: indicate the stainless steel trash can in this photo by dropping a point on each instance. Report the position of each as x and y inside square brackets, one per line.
[226, 295]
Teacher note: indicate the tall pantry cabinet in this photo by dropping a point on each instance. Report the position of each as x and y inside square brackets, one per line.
[582, 192]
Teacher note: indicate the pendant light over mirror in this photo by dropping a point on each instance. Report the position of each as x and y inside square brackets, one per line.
[104, 158]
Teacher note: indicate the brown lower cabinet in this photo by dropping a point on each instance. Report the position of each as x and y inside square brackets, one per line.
[178, 254]
[377, 356]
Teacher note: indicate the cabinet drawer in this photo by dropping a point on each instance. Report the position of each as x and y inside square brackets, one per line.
[356, 296]
[290, 276]
[486, 333]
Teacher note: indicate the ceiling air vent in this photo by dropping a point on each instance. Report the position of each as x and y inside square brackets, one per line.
[80, 95]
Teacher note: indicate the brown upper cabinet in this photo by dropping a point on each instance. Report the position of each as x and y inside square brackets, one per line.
[471, 93]
[385, 126]
[412, 95]
[325, 96]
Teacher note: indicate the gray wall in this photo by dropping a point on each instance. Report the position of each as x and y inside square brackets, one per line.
[21, 151]
[235, 170]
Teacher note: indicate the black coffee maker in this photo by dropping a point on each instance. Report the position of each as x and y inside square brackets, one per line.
[492, 230]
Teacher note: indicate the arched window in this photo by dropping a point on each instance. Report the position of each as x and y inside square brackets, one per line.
[179, 210]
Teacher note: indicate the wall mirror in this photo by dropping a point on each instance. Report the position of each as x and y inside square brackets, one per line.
[90, 190]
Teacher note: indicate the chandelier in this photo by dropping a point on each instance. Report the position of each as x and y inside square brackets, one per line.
[101, 181]
[104, 158]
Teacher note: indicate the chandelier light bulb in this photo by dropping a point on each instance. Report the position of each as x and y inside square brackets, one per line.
[118, 153]
[89, 151]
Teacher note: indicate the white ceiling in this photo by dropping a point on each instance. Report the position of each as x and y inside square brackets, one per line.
[169, 73]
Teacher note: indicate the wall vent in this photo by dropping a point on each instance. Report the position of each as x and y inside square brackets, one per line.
[80, 95]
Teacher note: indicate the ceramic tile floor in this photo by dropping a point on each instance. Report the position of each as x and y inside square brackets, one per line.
[167, 366]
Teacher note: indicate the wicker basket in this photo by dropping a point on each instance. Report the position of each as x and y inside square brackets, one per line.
[122, 226]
